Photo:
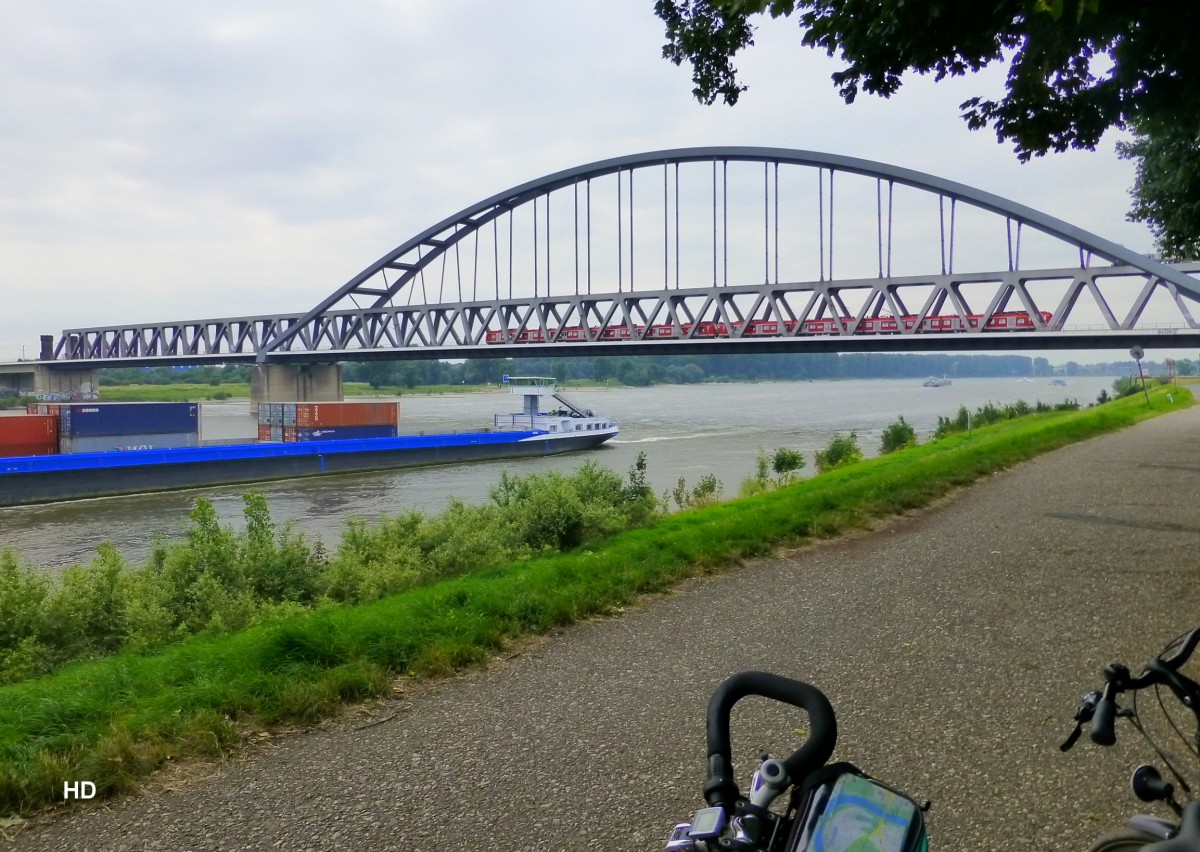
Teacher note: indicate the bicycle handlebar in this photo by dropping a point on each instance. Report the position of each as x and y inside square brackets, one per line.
[721, 789]
[1101, 708]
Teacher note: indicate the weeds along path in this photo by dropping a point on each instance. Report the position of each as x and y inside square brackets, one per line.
[954, 645]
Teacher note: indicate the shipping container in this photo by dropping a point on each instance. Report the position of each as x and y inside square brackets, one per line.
[344, 433]
[42, 408]
[47, 448]
[264, 432]
[127, 443]
[128, 418]
[29, 429]
[315, 414]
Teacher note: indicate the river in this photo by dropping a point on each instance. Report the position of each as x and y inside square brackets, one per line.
[684, 430]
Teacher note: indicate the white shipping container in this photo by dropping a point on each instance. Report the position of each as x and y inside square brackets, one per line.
[127, 443]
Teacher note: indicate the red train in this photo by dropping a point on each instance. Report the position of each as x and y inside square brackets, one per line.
[1010, 321]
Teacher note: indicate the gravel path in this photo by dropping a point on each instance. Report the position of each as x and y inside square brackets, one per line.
[954, 644]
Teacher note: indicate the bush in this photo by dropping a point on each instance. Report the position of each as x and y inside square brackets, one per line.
[706, 492]
[897, 436]
[221, 579]
[841, 451]
[785, 464]
[1126, 386]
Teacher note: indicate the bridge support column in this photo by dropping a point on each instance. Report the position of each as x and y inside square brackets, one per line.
[287, 383]
[68, 384]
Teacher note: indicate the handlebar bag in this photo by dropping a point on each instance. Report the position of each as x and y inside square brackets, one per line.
[844, 810]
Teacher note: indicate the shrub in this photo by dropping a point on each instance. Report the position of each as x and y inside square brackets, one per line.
[760, 483]
[86, 614]
[1126, 386]
[897, 436]
[705, 493]
[841, 451]
[785, 464]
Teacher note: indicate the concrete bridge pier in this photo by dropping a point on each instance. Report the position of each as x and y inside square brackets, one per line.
[27, 378]
[288, 383]
[84, 384]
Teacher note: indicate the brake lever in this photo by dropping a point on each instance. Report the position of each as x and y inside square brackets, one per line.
[1087, 709]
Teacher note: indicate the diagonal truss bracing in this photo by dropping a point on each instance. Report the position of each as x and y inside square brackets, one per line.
[786, 316]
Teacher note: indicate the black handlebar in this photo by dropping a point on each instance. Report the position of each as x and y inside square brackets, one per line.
[1162, 670]
[1185, 651]
[721, 789]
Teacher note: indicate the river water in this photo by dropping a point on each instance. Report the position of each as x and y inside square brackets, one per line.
[684, 430]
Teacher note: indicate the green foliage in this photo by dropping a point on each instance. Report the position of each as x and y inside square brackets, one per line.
[785, 464]
[990, 413]
[898, 435]
[841, 451]
[1166, 189]
[1126, 386]
[218, 579]
[706, 492]
[1053, 99]
[760, 482]
[22, 595]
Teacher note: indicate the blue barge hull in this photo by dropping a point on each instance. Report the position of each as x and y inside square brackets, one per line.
[44, 479]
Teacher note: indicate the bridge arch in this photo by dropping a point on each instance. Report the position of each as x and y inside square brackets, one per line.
[719, 249]
[394, 274]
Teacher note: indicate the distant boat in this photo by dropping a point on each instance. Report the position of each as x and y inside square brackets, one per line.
[936, 382]
[1059, 383]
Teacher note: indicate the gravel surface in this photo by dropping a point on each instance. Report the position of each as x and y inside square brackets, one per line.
[954, 644]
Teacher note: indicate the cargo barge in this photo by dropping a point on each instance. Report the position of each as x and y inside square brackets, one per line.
[73, 476]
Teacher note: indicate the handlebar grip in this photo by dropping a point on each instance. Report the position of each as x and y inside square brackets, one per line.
[1104, 717]
[814, 753]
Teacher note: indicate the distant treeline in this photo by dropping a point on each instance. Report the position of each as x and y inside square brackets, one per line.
[669, 369]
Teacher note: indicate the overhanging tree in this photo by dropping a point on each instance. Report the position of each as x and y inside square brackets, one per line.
[1076, 68]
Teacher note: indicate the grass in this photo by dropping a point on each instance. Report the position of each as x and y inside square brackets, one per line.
[113, 721]
[172, 393]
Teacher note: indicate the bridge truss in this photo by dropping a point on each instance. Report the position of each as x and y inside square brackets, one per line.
[711, 249]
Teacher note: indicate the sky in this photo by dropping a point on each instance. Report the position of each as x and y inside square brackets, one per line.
[166, 161]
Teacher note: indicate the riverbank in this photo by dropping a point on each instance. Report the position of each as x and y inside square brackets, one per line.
[115, 720]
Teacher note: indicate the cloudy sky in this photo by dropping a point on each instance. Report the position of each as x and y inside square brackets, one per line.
[169, 161]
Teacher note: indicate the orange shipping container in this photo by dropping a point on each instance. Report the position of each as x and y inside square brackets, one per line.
[311, 415]
[27, 429]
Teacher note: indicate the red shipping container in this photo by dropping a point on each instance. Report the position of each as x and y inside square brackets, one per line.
[29, 429]
[264, 431]
[289, 433]
[310, 415]
[44, 449]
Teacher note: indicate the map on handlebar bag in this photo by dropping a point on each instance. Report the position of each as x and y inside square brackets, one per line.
[861, 815]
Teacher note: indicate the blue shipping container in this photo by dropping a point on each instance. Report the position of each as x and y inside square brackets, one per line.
[345, 433]
[128, 418]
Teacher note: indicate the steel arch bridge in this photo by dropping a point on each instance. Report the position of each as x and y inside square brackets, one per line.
[715, 249]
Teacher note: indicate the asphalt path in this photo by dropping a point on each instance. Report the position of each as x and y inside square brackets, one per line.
[954, 643]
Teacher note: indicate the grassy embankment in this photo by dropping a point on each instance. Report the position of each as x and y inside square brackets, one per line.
[115, 720]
